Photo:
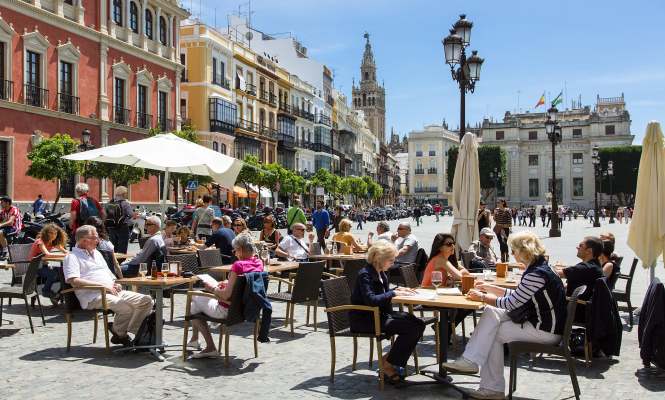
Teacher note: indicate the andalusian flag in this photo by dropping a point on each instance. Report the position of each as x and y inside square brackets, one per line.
[541, 101]
[558, 99]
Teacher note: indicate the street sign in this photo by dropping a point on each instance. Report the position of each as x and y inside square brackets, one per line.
[192, 185]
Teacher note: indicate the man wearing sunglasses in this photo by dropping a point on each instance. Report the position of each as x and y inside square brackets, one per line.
[152, 250]
[294, 246]
[406, 243]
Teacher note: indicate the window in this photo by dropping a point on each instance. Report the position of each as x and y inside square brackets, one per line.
[578, 187]
[533, 188]
[117, 12]
[4, 168]
[67, 185]
[68, 103]
[432, 150]
[144, 120]
[133, 17]
[215, 146]
[559, 188]
[148, 24]
[162, 30]
[32, 72]
[577, 132]
[214, 70]
[499, 135]
[163, 111]
[183, 108]
[222, 115]
[609, 129]
[533, 160]
[2, 68]
[533, 135]
[419, 150]
[578, 158]
[121, 115]
[223, 148]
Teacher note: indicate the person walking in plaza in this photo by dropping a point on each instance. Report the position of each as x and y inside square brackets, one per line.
[540, 297]
[371, 289]
[321, 221]
[85, 266]
[504, 222]
[83, 207]
[202, 219]
[532, 218]
[38, 205]
[295, 215]
[337, 217]
[484, 217]
[437, 211]
[119, 215]
[11, 222]
[543, 215]
[591, 214]
[417, 213]
[360, 218]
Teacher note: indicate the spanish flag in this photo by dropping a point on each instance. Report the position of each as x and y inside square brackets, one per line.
[541, 101]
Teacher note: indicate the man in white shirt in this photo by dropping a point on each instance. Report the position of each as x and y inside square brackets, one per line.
[294, 246]
[85, 266]
[406, 243]
[383, 230]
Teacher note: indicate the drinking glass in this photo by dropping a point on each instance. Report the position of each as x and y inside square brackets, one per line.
[518, 273]
[143, 270]
[437, 279]
[165, 270]
[265, 256]
[487, 275]
[510, 276]
[334, 248]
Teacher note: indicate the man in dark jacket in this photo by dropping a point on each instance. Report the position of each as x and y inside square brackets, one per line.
[604, 325]
[651, 330]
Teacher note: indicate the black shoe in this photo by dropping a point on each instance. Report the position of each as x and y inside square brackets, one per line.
[124, 340]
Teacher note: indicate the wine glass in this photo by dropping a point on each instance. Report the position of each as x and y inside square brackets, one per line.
[143, 270]
[165, 270]
[265, 256]
[437, 279]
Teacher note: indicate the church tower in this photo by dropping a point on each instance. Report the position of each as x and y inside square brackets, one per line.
[370, 97]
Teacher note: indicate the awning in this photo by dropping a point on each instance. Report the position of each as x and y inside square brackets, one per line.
[265, 192]
[241, 192]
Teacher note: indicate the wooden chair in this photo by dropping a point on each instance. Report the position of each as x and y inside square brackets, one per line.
[304, 289]
[188, 263]
[561, 349]
[624, 295]
[72, 307]
[234, 316]
[28, 288]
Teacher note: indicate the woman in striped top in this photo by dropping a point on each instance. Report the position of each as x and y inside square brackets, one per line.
[504, 221]
[540, 301]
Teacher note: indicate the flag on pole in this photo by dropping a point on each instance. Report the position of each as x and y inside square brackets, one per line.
[558, 99]
[541, 101]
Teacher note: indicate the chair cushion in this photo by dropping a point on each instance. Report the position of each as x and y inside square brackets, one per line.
[280, 296]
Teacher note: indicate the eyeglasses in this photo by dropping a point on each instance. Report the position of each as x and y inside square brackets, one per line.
[298, 229]
[150, 223]
[449, 244]
[239, 225]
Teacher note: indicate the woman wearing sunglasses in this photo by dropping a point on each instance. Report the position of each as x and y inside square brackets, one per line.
[239, 226]
[442, 258]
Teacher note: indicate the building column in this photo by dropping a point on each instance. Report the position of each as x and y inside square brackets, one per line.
[513, 187]
[125, 21]
[80, 12]
[104, 182]
[37, 3]
[178, 119]
[103, 94]
[169, 39]
[103, 16]
[144, 42]
[60, 7]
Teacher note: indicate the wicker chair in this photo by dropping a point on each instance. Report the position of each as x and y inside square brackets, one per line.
[561, 349]
[624, 295]
[304, 289]
[351, 269]
[28, 288]
[234, 316]
[72, 307]
[19, 256]
[210, 258]
[188, 263]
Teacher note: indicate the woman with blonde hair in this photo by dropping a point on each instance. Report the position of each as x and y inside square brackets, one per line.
[240, 226]
[371, 289]
[344, 235]
[50, 238]
[534, 312]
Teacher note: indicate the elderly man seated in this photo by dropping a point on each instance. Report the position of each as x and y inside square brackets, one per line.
[383, 231]
[484, 256]
[294, 246]
[406, 243]
[85, 266]
[153, 249]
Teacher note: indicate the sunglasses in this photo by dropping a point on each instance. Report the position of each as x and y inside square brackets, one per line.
[449, 244]
[239, 225]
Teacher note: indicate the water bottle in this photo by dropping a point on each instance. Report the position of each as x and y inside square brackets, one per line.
[334, 248]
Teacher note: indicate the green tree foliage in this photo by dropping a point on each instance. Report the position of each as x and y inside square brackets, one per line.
[489, 158]
[118, 173]
[358, 188]
[626, 160]
[47, 162]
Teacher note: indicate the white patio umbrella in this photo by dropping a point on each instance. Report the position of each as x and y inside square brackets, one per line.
[169, 153]
[466, 193]
[646, 233]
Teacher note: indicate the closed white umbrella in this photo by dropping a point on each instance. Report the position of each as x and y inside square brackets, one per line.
[169, 153]
[646, 233]
[466, 193]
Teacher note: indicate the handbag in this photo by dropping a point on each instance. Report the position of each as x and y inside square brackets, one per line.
[520, 315]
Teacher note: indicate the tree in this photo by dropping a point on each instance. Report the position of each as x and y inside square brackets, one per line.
[47, 162]
[118, 173]
[626, 161]
[489, 157]
[357, 188]
[252, 173]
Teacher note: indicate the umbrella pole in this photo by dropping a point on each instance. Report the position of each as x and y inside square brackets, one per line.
[165, 195]
[652, 271]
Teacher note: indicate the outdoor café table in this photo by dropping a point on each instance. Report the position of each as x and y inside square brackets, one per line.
[271, 269]
[502, 282]
[182, 250]
[157, 285]
[444, 304]
[338, 257]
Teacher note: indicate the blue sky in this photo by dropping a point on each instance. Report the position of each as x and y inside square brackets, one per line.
[588, 47]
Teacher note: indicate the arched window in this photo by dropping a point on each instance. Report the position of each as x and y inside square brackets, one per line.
[366, 75]
[215, 146]
[162, 30]
[134, 17]
[117, 12]
[223, 148]
[148, 23]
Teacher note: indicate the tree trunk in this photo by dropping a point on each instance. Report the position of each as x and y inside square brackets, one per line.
[57, 198]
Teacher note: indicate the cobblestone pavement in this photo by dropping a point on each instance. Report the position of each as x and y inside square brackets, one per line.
[36, 366]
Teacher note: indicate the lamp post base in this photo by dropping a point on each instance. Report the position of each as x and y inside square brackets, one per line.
[555, 232]
[596, 224]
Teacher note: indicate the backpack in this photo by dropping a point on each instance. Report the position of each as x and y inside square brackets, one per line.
[146, 335]
[87, 209]
[114, 214]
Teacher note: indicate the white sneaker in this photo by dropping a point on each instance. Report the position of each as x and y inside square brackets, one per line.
[209, 354]
[195, 344]
[484, 394]
[461, 366]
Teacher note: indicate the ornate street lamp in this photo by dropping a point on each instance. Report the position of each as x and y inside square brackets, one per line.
[595, 158]
[610, 174]
[85, 145]
[553, 131]
[466, 72]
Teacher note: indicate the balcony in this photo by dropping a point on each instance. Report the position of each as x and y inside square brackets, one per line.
[318, 147]
[284, 108]
[432, 153]
[426, 189]
[6, 90]
[264, 96]
[68, 103]
[165, 124]
[307, 115]
[330, 100]
[432, 171]
[272, 99]
[219, 80]
[324, 119]
[121, 116]
[222, 126]
[143, 120]
[268, 132]
[250, 89]
[35, 96]
[286, 141]
[420, 171]
[248, 126]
